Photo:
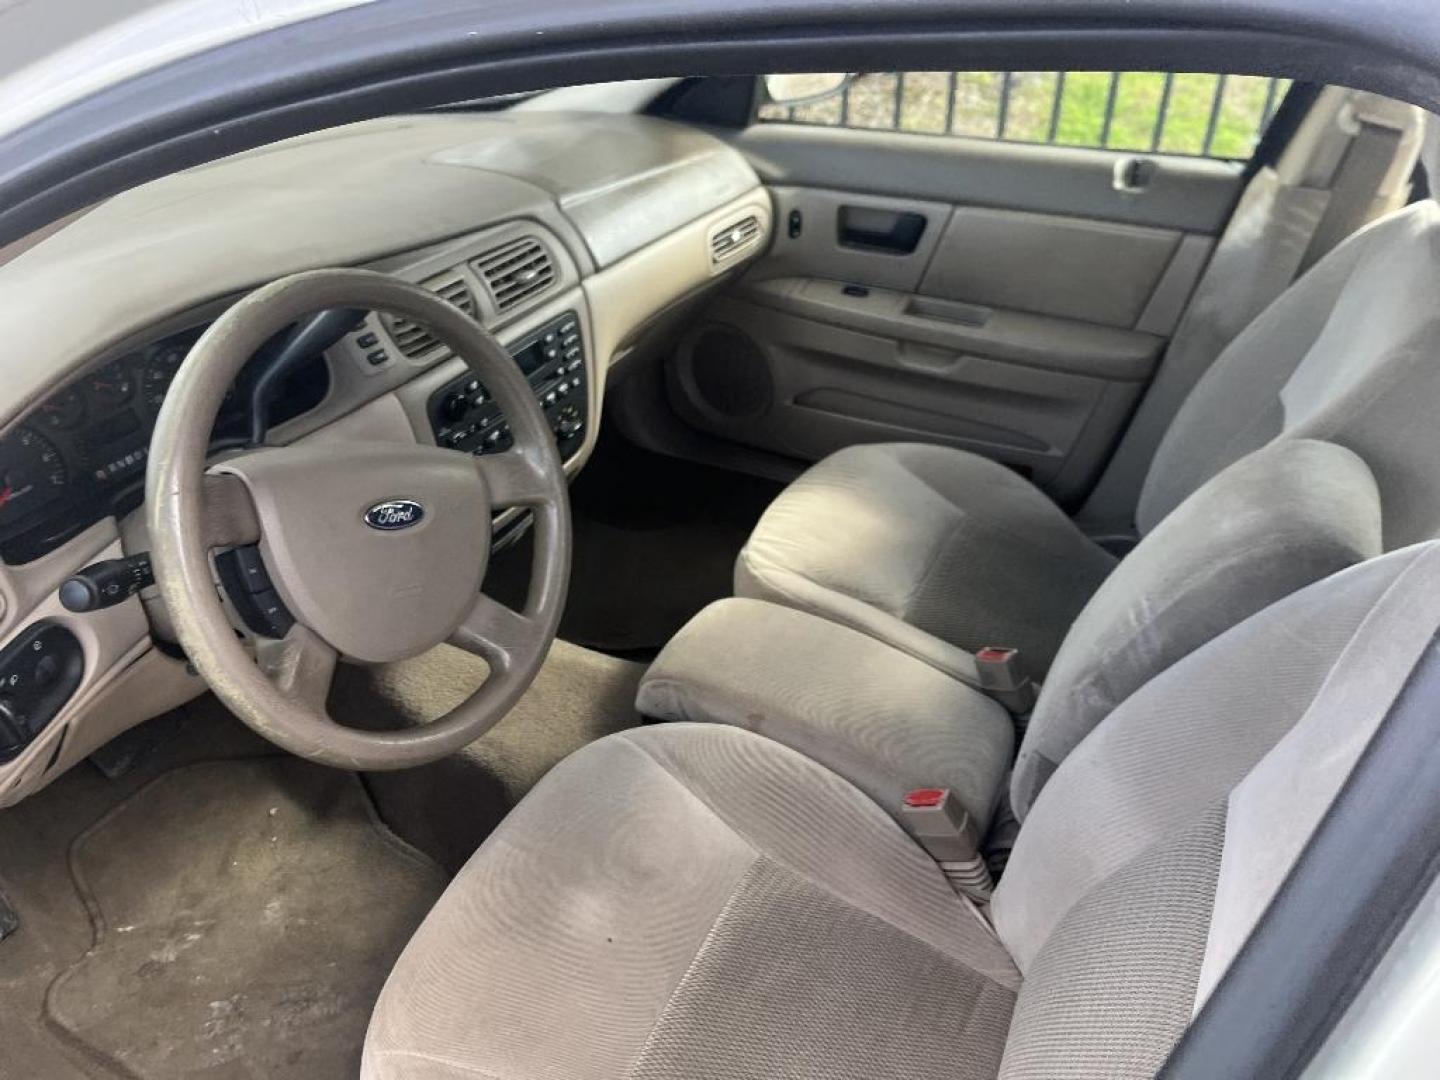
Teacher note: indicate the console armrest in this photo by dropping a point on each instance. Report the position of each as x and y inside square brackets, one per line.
[880, 718]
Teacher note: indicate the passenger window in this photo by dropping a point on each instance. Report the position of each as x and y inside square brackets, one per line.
[1199, 115]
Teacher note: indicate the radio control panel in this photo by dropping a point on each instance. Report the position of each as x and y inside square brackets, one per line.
[464, 416]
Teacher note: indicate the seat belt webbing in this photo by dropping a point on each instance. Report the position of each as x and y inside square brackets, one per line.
[1357, 182]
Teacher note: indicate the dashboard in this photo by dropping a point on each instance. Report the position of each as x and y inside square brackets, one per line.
[80, 456]
[569, 236]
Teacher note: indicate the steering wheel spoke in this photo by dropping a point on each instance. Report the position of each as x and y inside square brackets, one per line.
[228, 517]
[301, 665]
[515, 478]
[499, 634]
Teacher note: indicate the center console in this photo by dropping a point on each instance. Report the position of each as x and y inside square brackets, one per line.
[886, 721]
[464, 416]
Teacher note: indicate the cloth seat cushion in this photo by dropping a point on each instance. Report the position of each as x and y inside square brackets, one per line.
[695, 900]
[1277, 520]
[885, 721]
[934, 550]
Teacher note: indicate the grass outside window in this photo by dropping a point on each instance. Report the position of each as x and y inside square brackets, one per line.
[1195, 114]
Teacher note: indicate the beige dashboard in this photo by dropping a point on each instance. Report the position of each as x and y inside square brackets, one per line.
[624, 215]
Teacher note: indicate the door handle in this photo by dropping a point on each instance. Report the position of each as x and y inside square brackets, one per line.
[888, 232]
[1132, 175]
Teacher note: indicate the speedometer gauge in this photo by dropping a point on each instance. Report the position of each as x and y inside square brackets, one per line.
[63, 412]
[109, 388]
[32, 473]
[159, 373]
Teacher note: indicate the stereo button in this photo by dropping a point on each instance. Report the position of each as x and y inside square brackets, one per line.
[455, 406]
[568, 422]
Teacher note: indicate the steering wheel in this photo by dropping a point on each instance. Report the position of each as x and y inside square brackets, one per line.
[377, 549]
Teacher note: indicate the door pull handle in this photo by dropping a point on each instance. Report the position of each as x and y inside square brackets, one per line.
[1133, 175]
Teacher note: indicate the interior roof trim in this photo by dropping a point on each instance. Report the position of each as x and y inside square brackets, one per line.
[396, 55]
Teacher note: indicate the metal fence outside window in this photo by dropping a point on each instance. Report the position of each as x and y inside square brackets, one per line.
[1192, 114]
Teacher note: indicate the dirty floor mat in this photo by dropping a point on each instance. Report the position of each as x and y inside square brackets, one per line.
[447, 808]
[245, 915]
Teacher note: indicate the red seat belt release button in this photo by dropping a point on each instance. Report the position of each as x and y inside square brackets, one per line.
[1003, 675]
[944, 828]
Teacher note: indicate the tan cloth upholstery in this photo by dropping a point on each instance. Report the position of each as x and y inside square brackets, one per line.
[697, 901]
[588, 932]
[885, 721]
[1277, 520]
[934, 550]
[1283, 517]
[1347, 355]
[1188, 737]
[1161, 840]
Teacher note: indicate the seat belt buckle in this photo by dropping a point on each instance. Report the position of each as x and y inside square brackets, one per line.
[944, 828]
[1004, 676]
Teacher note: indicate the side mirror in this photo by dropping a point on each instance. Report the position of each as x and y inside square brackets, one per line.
[806, 88]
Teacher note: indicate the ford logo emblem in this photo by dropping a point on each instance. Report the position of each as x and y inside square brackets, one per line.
[394, 514]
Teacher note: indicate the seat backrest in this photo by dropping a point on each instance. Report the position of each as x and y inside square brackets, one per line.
[1157, 845]
[1350, 354]
[1285, 516]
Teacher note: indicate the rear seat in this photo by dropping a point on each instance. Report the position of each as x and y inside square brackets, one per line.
[1286, 465]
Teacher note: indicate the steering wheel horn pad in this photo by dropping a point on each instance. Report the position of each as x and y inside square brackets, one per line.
[373, 591]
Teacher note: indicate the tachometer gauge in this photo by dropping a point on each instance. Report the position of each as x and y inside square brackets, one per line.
[32, 473]
[159, 373]
[63, 412]
[109, 388]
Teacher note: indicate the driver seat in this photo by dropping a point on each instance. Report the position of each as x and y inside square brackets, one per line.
[694, 900]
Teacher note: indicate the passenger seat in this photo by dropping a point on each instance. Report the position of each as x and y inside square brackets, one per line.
[940, 552]
[1288, 515]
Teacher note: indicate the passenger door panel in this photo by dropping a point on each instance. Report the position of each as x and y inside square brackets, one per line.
[1023, 323]
[806, 243]
[1075, 268]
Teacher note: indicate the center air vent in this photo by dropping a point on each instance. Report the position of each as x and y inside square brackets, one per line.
[516, 271]
[412, 339]
[734, 238]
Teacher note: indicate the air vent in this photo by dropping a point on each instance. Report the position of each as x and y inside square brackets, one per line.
[516, 271]
[413, 339]
[734, 238]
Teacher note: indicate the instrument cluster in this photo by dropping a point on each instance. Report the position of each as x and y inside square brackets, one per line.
[80, 456]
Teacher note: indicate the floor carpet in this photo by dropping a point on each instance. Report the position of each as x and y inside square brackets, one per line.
[446, 809]
[245, 916]
[55, 928]
[655, 541]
